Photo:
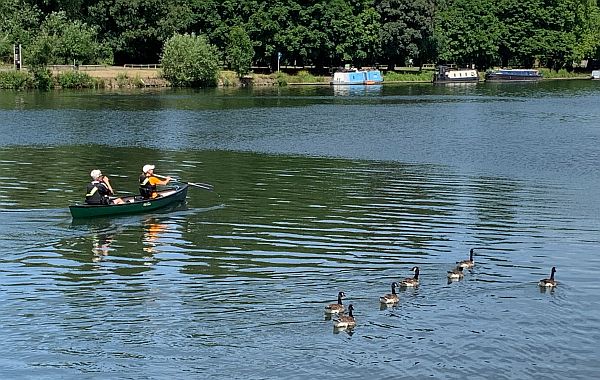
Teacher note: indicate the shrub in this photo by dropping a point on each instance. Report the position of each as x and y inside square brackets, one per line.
[229, 78]
[422, 76]
[122, 80]
[282, 79]
[74, 79]
[304, 76]
[42, 78]
[16, 80]
[190, 61]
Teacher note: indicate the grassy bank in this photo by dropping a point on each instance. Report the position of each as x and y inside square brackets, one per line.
[111, 77]
[563, 74]
[46, 79]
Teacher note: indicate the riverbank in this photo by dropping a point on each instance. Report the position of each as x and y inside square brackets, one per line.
[116, 76]
[128, 76]
[142, 76]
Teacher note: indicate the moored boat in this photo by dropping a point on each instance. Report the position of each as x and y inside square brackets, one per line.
[596, 74]
[132, 204]
[505, 75]
[446, 74]
[355, 76]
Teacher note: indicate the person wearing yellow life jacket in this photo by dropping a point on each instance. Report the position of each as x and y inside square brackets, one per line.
[98, 191]
[148, 182]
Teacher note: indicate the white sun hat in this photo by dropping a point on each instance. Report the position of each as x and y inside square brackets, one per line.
[147, 168]
[95, 173]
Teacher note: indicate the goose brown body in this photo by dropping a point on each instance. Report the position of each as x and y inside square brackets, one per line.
[549, 282]
[391, 298]
[456, 273]
[336, 308]
[411, 281]
[468, 263]
[345, 321]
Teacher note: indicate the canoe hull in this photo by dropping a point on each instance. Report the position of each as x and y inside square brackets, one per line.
[132, 205]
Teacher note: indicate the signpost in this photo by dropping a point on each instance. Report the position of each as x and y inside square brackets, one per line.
[278, 59]
[17, 56]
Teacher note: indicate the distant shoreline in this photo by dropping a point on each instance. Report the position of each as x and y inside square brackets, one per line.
[146, 76]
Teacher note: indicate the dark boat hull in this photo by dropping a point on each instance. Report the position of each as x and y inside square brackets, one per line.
[132, 205]
[495, 77]
[461, 80]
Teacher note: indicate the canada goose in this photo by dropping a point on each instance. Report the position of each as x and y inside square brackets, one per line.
[345, 321]
[468, 263]
[335, 308]
[411, 281]
[549, 282]
[390, 298]
[456, 273]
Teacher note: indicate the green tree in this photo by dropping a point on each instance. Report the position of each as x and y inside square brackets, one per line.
[62, 41]
[190, 61]
[405, 26]
[587, 30]
[538, 30]
[239, 51]
[19, 23]
[330, 26]
[468, 32]
[136, 30]
[366, 44]
[277, 29]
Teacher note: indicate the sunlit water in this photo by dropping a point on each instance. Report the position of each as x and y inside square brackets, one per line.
[317, 190]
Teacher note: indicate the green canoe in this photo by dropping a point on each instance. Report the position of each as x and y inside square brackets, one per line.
[132, 205]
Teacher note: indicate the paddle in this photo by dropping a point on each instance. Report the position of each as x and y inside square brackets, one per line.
[205, 186]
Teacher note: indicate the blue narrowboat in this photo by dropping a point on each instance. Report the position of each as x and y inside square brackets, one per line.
[355, 76]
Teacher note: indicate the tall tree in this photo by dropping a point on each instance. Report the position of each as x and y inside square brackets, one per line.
[63, 41]
[239, 51]
[19, 24]
[468, 32]
[405, 25]
[587, 29]
[537, 31]
[366, 44]
[137, 29]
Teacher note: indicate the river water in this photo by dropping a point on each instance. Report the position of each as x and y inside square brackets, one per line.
[317, 190]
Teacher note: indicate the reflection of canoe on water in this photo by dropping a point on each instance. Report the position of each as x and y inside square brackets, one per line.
[132, 204]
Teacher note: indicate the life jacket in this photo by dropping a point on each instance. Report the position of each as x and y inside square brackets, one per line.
[146, 188]
[97, 194]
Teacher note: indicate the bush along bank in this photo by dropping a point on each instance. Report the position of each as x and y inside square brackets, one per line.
[43, 79]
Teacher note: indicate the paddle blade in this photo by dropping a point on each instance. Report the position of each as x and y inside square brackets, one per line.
[205, 186]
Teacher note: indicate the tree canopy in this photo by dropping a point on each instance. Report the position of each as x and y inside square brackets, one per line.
[323, 33]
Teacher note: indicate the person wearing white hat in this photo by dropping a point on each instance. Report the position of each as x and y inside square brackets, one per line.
[148, 182]
[99, 190]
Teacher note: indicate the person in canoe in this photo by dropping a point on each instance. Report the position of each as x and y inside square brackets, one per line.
[100, 190]
[148, 182]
